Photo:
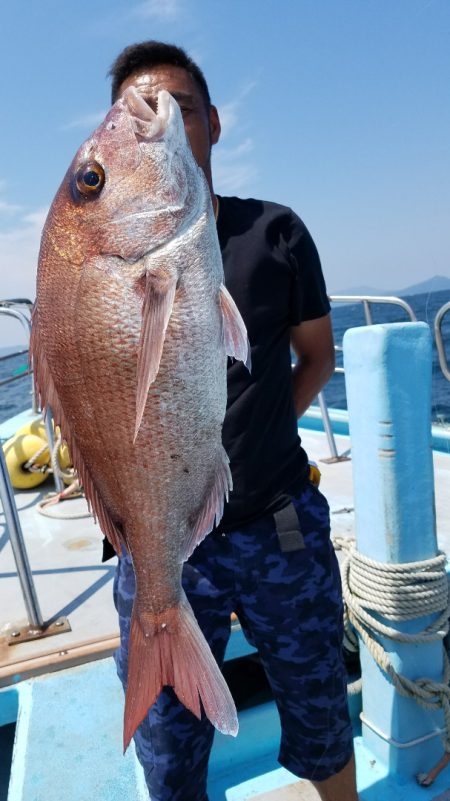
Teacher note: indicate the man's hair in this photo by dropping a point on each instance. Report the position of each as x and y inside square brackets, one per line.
[153, 54]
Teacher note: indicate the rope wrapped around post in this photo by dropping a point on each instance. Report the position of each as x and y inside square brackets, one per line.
[401, 592]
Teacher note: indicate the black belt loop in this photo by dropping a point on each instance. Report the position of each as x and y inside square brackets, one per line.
[288, 529]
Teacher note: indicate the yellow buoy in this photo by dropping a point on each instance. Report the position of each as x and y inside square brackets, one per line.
[65, 463]
[36, 427]
[314, 474]
[18, 451]
[28, 440]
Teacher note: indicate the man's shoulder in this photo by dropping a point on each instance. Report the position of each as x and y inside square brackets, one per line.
[238, 215]
[255, 206]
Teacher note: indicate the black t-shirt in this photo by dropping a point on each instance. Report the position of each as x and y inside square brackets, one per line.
[272, 270]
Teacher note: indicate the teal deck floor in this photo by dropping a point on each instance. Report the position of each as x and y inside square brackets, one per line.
[68, 739]
[68, 745]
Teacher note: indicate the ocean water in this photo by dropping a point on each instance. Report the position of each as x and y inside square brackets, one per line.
[16, 397]
[425, 308]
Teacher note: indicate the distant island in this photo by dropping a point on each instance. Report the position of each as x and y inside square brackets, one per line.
[436, 284]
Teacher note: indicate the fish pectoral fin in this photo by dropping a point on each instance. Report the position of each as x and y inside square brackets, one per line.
[211, 511]
[234, 331]
[158, 303]
[172, 651]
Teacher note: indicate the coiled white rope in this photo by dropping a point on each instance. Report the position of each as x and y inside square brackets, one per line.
[397, 592]
[66, 475]
[30, 464]
[351, 642]
[400, 592]
[74, 490]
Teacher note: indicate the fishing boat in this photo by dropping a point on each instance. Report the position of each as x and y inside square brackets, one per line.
[61, 703]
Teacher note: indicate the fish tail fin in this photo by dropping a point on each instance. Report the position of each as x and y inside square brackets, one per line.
[169, 649]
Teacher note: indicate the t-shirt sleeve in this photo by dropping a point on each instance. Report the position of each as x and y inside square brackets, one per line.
[309, 298]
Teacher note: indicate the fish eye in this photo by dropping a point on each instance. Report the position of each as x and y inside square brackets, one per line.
[90, 178]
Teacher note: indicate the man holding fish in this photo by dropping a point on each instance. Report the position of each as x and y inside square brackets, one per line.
[270, 558]
[134, 319]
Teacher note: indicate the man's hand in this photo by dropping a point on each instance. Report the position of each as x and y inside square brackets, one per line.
[313, 344]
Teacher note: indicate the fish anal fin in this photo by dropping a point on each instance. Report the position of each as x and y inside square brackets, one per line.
[211, 511]
[48, 397]
[159, 294]
[234, 331]
[172, 651]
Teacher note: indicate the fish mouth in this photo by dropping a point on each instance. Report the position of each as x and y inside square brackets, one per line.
[148, 125]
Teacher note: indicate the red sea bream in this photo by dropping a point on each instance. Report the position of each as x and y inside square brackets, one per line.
[131, 330]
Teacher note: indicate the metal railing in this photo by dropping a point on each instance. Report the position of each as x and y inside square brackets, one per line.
[36, 627]
[19, 309]
[367, 301]
[8, 308]
[440, 340]
[19, 550]
[35, 619]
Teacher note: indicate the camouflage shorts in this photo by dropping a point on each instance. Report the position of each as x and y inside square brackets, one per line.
[290, 608]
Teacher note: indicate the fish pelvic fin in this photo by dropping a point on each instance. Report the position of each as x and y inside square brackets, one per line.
[169, 649]
[211, 510]
[234, 331]
[159, 295]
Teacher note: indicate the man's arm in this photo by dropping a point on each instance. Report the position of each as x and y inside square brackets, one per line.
[313, 344]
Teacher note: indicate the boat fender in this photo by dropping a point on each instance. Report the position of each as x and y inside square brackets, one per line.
[314, 474]
[18, 451]
[37, 428]
[65, 462]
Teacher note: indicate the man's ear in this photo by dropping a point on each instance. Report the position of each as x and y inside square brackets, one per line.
[214, 125]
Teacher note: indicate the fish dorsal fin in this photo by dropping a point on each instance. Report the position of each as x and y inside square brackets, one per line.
[159, 295]
[234, 331]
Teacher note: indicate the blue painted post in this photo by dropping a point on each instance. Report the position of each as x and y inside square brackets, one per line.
[388, 380]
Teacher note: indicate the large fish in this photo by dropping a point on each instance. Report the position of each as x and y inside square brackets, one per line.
[131, 330]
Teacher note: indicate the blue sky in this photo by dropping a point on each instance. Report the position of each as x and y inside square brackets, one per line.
[338, 108]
